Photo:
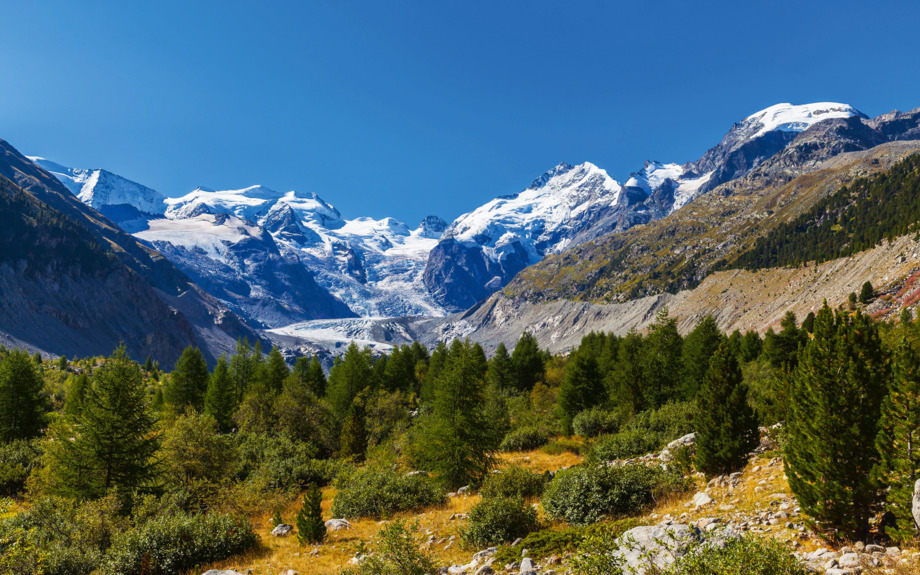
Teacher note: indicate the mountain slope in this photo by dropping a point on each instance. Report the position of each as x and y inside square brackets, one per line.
[140, 299]
[678, 251]
[481, 251]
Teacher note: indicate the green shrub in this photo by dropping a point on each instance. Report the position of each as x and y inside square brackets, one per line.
[595, 421]
[546, 543]
[524, 439]
[514, 481]
[171, 544]
[669, 422]
[499, 520]
[587, 494]
[562, 445]
[743, 556]
[17, 459]
[625, 444]
[378, 493]
[396, 553]
[277, 462]
[19, 555]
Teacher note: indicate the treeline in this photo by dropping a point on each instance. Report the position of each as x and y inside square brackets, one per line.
[853, 219]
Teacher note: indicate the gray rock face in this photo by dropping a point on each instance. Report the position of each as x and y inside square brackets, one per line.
[282, 530]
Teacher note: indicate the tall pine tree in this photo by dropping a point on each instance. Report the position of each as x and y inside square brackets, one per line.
[726, 430]
[699, 347]
[835, 397]
[898, 440]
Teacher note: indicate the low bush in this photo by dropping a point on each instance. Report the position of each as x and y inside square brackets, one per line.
[277, 462]
[590, 493]
[563, 445]
[514, 482]
[625, 444]
[379, 493]
[596, 421]
[395, 553]
[669, 422]
[524, 439]
[499, 520]
[548, 542]
[171, 544]
[743, 556]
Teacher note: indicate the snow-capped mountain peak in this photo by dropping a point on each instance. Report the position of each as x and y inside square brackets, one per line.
[653, 175]
[796, 118]
[103, 189]
[535, 215]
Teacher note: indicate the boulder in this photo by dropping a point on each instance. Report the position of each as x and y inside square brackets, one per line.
[337, 525]
[653, 548]
[527, 565]
[221, 572]
[282, 530]
[701, 499]
[915, 508]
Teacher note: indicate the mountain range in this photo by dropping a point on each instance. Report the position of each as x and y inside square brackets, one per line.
[289, 264]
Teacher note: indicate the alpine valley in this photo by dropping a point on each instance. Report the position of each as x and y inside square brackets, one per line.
[574, 251]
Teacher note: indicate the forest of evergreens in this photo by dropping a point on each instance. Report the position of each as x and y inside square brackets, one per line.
[121, 467]
[852, 219]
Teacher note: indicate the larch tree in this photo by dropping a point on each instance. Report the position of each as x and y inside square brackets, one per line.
[22, 400]
[111, 443]
[220, 398]
[188, 382]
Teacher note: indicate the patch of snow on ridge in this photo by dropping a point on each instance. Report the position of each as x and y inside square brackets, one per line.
[790, 118]
[688, 189]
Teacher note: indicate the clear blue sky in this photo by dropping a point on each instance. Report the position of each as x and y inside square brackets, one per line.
[409, 108]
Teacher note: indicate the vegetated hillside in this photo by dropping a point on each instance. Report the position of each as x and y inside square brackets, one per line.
[679, 251]
[854, 218]
[63, 297]
[737, 299]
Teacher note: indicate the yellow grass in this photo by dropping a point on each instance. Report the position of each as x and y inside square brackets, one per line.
[277, 554]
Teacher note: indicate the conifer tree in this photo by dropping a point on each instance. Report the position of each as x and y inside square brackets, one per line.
[73, 405]
[435, 366]
[188, 381]
[662, 365]
[726, 430]
[111, 442]
[62, 363]
[148, 365]
[348, 378]
[500, 373]
[582, 387]
[698, 348]
[866, 293]
[275, 370]
[898, 440]
[309, 521]
[22, 401]
[354, 432]
[528, 362]
[627, 380]
[242, 368]
[220, 398]
[316, 379]
[456, 441]
[835, 396]
[782, 348]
